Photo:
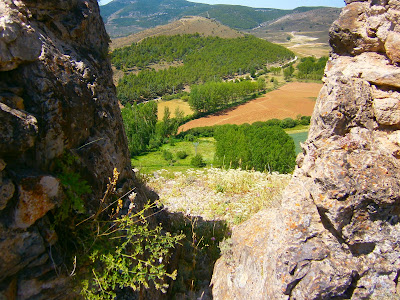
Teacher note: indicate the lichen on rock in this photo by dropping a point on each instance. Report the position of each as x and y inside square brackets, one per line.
[336, 233]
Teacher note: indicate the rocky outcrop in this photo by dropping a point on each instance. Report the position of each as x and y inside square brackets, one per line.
[57, 100]
[336, 233]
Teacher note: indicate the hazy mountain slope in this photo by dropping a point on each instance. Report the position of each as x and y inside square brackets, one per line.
[305, 32]
[315, 20]
[186, 25]
[123, 17]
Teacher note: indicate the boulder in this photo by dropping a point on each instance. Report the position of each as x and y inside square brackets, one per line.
[387, 111]
[392, 46]
[335, 233]
[57, 101]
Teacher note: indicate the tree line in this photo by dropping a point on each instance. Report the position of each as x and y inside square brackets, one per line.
[212, 96]
[311, 68]
[143, 130]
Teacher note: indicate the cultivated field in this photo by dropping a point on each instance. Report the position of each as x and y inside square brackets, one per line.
[289, 101]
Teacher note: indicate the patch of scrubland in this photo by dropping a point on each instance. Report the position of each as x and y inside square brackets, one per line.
[217, 194]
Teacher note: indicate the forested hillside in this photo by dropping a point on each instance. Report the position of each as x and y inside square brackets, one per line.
[204, 59]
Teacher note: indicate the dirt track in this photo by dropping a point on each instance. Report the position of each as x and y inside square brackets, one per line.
[290, 100]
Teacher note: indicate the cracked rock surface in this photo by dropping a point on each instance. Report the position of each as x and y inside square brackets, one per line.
[336, 233]
[56, 97]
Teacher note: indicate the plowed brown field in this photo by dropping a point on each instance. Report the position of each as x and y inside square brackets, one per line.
[289, 101]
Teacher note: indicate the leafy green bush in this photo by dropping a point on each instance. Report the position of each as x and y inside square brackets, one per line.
[198, 161]
[167, 155]
[262, 147]
[288, 123]
[181, 154]
[73, 185]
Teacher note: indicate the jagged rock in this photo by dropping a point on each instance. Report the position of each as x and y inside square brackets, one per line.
[358, 29]
[335, 234]
[57, 99]
[13, 101]
[387, 111]
[372, 67]
[18, 249]
[37, 195]
[18, 131]
[19, 43]
[7, 190]
[392, 46]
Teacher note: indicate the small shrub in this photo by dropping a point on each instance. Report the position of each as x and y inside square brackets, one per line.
[198, 161]
[73, 185]
[181, 154]
[167, 155]
[288, 123]
[135, 257]
[190, 137]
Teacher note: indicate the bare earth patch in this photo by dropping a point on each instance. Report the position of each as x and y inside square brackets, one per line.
[288, 101]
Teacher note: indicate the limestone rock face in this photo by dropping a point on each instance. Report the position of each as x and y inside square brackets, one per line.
[56, 97]
[336, 233]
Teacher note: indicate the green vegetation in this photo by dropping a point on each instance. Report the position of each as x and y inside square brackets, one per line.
[198, 161]
[129, 254]
[204, 59]
[142, 129]
[242, 17]
[288, 72]
[106, 242]
[209, 131]
[259, 146]
[213, 96]
[154, 160]
[73, 185]
[311, 68]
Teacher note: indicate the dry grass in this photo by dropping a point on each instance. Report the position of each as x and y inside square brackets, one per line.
[173, 105]
[216, 194]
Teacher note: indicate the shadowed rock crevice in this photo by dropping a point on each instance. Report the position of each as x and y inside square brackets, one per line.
[348, 293]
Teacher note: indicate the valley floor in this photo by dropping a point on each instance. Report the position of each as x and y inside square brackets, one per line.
[289, 101]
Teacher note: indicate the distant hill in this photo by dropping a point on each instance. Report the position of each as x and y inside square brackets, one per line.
[124, 17]
[315, 20]
[305, 32]
[186, 25]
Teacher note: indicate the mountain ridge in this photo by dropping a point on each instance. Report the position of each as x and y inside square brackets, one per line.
[124, 17]
[185, 25]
